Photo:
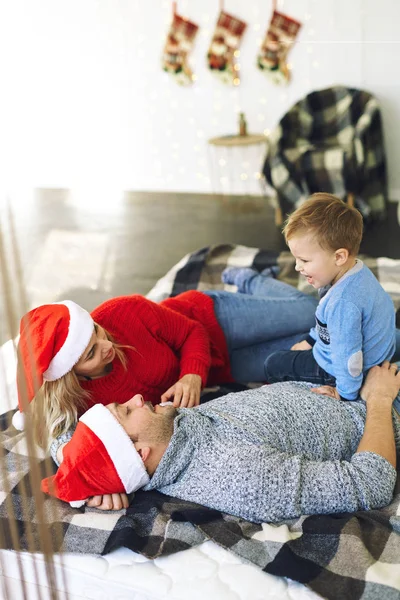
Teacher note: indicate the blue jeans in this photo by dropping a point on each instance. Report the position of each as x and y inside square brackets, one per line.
[396, 356]
[296, 365]
[270, 316]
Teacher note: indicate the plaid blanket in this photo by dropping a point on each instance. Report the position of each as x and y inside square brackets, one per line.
[346, 556]
[330, 141]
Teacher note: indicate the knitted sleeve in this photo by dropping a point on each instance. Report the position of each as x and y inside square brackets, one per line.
[265, 485]
[62, 439]
[346, 343]
[188, 338]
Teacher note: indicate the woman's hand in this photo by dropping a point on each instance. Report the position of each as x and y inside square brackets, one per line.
[185, 392]
[327, 390]
[303, 345]
[109, 502]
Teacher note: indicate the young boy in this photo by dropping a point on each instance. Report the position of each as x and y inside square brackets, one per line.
[355, 318]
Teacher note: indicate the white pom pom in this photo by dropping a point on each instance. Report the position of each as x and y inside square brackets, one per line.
[77, 503]
[18, 420]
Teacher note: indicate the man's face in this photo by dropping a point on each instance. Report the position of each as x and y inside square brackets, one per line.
[316, 264]
[143, 422]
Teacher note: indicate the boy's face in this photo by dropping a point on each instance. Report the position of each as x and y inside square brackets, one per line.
[316, 264]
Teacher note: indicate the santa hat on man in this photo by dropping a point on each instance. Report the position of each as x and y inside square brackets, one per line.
[53, 337]
[99, 459]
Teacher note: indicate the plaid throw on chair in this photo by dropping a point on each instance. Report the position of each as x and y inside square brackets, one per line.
[330, 141]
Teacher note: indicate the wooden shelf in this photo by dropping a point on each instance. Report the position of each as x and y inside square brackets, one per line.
[239, 140]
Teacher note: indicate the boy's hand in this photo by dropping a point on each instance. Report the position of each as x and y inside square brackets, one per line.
[304, 345]
[327, 390]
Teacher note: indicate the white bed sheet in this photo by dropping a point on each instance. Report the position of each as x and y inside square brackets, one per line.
[205, 572]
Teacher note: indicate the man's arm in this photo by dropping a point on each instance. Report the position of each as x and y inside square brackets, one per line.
[285, 486]
[380, 389]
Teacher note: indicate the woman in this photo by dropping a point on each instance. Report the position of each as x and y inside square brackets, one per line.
[165, 351]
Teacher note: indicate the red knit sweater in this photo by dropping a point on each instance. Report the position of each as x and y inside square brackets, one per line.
[180, 335]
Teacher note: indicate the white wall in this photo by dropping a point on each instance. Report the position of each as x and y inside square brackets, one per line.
[84, 102]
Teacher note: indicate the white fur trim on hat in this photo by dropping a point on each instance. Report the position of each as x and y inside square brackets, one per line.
[79, 333]
[122, 452]
[18, 420]
[77, 503]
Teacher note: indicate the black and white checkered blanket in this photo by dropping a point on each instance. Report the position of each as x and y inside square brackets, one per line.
[346, 556]
[330, 141]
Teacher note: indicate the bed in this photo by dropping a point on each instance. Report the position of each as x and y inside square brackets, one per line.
[162, 547]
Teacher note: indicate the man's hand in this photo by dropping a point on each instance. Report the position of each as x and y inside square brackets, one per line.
[327, 390]
[382, 383]
[109, 502]
[304, 345]
[185, 392]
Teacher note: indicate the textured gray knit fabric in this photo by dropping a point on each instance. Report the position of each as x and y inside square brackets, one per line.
[275, 453]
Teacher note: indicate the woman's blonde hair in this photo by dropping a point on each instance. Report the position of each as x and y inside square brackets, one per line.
[56, 406]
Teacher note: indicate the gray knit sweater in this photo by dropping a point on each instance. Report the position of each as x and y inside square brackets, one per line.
[275, 453]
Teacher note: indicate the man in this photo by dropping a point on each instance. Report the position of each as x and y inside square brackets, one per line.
[267, 454]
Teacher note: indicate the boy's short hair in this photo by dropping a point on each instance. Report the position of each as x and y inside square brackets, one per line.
[334, 223]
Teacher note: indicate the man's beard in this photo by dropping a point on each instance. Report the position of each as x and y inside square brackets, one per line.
[160, 432]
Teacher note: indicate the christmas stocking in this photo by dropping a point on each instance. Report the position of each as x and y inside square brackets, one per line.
[223, 49]
[178, 44]
[280, 36]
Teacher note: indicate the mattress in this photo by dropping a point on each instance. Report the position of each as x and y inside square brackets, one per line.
[207, 571]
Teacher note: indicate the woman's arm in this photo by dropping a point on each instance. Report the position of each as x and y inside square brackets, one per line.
[188, 338]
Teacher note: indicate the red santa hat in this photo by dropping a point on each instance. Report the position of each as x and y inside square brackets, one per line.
[99, 459]
[53, 337]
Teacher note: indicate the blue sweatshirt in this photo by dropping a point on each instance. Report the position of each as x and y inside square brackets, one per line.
[355, 329]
